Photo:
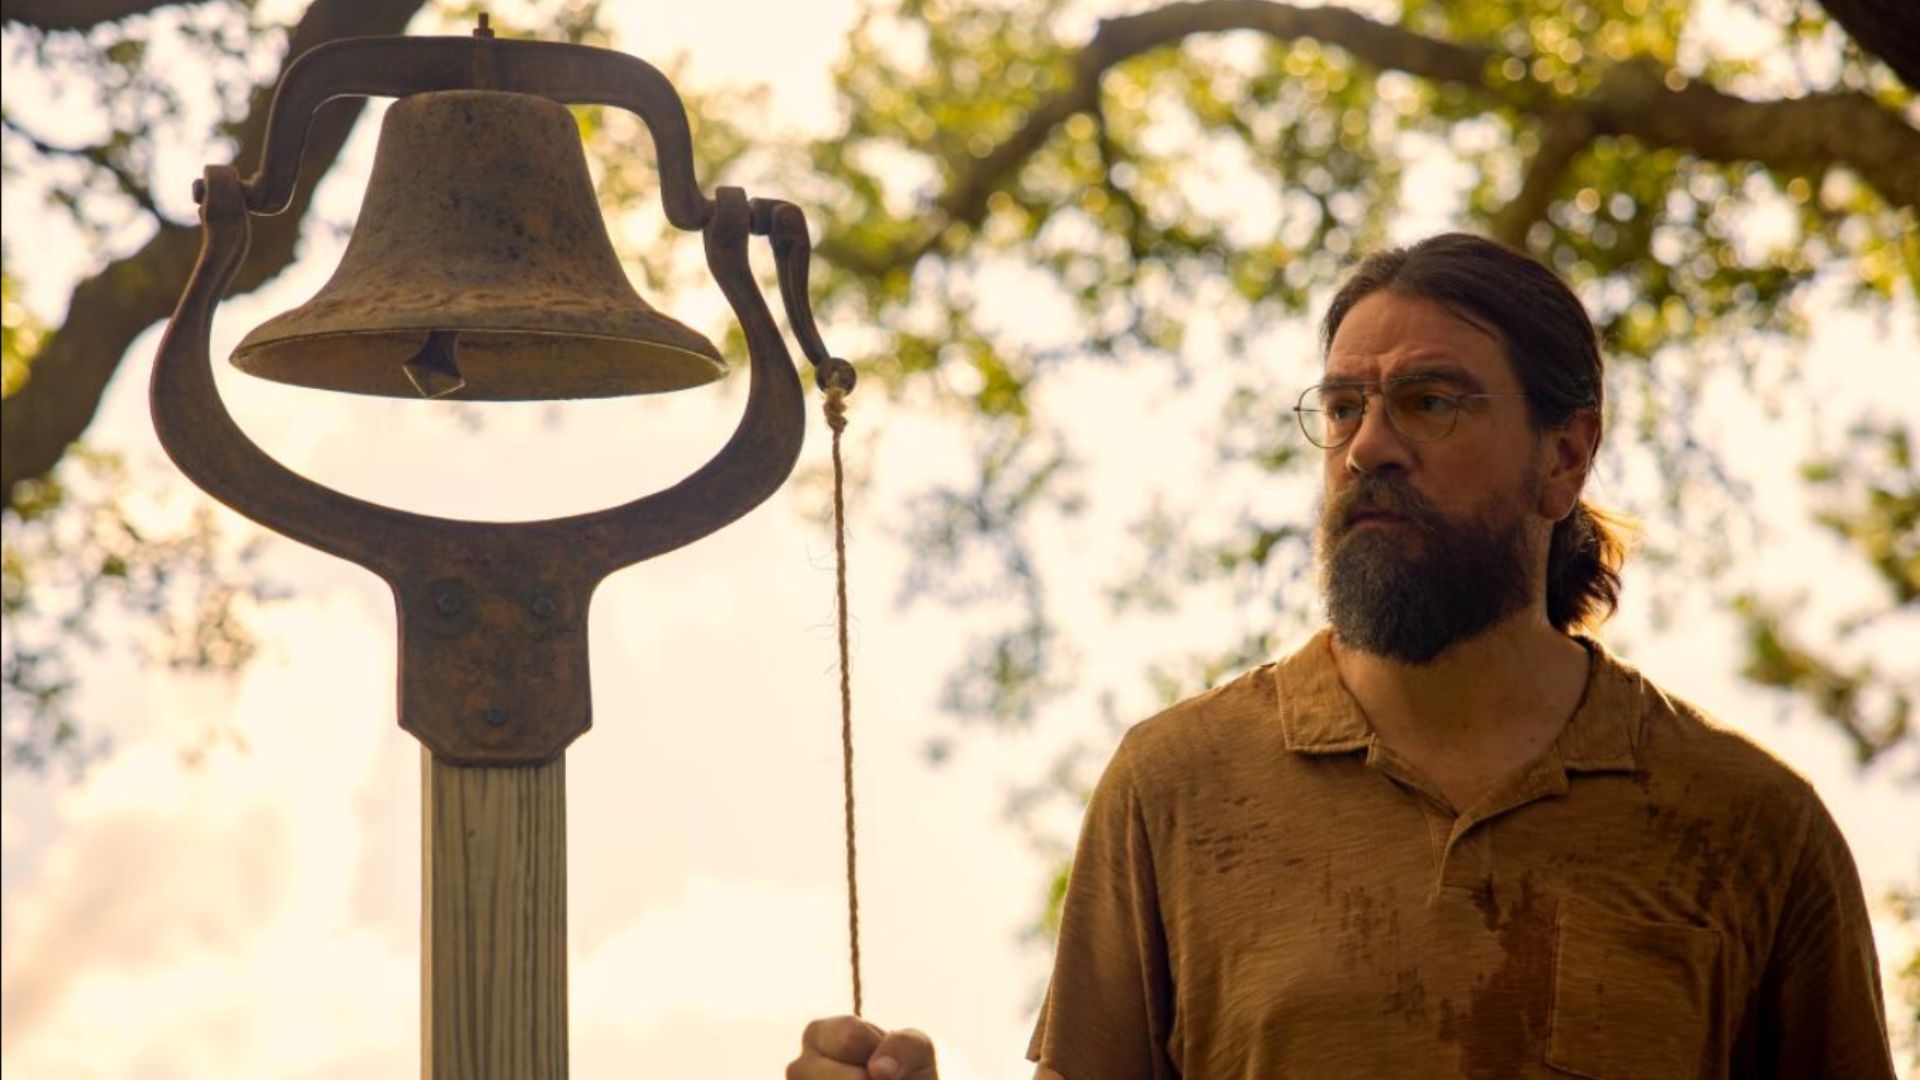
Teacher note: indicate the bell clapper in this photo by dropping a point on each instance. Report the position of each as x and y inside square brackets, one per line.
[434, 370]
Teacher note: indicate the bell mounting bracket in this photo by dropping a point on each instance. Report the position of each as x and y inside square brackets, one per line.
[492, 616]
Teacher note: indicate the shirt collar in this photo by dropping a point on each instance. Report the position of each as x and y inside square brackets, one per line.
[1319, 716]
[1605, 727]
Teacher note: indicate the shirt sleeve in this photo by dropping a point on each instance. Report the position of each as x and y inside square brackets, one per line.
[1109, 1008]
[1821, 1011]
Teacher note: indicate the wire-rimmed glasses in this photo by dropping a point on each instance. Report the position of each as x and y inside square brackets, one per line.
[1422, 408]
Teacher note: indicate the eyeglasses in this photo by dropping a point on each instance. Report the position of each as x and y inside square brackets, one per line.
[1422, 408]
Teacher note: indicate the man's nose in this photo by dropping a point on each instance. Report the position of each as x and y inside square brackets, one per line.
[1377, 447]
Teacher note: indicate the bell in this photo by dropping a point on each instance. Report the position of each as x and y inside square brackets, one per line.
[480, 269]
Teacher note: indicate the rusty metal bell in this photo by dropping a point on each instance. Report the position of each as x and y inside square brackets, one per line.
[479, 269]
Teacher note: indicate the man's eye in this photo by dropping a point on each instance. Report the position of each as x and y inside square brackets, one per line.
[1343, 411]
[1425, 398]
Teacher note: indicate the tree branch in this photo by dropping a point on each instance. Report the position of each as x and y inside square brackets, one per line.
[1562, 139]
[1110, 156]
[74, 14]
[100, 157]
[111, 308]
[1120, 39]
[1632, 99]
[1805, 133]
[1887, 29]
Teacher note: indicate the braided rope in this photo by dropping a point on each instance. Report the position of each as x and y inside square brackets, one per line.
[835, 408]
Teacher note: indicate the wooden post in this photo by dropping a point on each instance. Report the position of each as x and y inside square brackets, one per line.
[493, 960]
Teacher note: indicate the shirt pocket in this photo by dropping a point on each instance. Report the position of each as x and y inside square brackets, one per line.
[1632, 999]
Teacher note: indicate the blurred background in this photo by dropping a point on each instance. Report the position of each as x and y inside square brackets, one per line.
[1076, 250]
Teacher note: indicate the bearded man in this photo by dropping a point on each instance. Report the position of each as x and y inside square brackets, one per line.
[1451, 836]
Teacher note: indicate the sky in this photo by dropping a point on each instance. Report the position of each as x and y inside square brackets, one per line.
[257, 914]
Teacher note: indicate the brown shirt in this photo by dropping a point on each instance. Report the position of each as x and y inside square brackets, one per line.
[1262, 890]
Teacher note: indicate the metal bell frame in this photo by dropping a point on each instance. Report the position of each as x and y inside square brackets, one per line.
[492, 616]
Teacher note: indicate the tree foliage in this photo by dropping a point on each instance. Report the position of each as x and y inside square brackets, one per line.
[1177, 181]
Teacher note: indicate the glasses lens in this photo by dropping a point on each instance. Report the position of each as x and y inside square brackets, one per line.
[1331, 414]
[1423, 410]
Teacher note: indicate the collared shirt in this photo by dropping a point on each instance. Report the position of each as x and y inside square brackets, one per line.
[1264, 890]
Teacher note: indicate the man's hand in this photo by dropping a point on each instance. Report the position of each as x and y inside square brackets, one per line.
[849, 1048]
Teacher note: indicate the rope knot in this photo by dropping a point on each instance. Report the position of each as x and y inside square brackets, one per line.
[835, 408]
[836, 377]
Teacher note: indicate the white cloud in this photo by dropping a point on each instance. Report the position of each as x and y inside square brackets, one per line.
[196, 920]
[723, 949]
[715, 983]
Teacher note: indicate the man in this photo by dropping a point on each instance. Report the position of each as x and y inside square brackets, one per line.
[1450, 836]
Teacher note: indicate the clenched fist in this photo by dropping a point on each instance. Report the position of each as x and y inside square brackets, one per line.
[849, 1048]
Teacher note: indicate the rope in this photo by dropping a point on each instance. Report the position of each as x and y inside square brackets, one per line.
[835, 408]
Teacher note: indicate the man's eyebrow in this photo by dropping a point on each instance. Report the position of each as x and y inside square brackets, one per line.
[1442, 369]
[1422, 369]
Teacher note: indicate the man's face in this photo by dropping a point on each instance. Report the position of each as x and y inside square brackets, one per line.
[1425, 544]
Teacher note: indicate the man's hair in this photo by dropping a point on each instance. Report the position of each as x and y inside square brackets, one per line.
[1551, 343]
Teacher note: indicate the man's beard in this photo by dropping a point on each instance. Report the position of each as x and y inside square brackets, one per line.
[1411, 606]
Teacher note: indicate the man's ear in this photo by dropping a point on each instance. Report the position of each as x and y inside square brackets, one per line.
[1569, 451]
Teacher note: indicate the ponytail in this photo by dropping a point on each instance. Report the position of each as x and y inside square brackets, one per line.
[1583, 567]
